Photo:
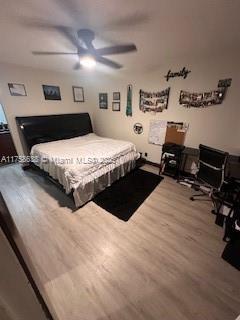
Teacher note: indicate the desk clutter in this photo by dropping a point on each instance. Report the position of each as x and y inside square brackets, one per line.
[216, 176]
[215, 182]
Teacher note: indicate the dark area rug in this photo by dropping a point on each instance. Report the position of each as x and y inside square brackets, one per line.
[124, 196]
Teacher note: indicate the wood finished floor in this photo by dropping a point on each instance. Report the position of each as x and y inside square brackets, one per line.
[164, 263]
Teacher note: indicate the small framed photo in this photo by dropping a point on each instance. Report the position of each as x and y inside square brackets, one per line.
[103, 100]
[78, 94]
[116, 106]
[17, 89]
[224, 83]
[51, 92]
[116, 96]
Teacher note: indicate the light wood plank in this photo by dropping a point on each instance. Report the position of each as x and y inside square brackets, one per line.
[164, 263]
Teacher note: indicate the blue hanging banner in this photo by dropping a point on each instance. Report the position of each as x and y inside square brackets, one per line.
[129, 101]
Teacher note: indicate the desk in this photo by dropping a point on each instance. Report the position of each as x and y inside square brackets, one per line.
[192, 154]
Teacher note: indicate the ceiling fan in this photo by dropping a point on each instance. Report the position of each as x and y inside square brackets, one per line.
[87, 53]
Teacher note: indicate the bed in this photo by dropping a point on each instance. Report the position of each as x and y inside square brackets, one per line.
[65, 147]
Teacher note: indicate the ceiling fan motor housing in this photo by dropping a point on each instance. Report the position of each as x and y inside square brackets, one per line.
[86, 34]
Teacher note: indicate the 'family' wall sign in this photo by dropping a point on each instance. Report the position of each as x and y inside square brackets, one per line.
[182, 73]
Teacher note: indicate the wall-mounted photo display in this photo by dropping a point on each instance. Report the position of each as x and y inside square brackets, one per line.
[116, 96]
[201, 100]
[103, 100]
[205, 99]
[116, 106]
[78, 94]
[154, 101]
[17, 89]
[51, 92]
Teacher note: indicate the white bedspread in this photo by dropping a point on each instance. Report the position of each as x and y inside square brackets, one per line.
[77, 161]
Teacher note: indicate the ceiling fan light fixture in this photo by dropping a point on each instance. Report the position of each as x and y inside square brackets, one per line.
[88, 62]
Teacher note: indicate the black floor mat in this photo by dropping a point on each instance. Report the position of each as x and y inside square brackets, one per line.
[124, 196]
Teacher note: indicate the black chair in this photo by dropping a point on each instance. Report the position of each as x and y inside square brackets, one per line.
[211, 173]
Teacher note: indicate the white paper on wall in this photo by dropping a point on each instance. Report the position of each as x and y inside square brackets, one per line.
[157, 132]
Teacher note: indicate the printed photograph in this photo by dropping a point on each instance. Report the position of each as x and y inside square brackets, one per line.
[51, 92]
[78, 94]
[17, 89]
[103, 100]
[116, 95]
[116, 106]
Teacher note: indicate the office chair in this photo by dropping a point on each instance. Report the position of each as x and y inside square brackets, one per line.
[211, 173]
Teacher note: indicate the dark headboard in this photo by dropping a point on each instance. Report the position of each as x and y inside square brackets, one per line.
[40, 129]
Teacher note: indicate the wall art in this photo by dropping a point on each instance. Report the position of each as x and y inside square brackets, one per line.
[138, 128]
[154, 101]
[17, 89]
[103, 100]
[116, 106]
[129, 101]
[205, 99]
[182, 73]
[78, 94]
[201, 100]
[51, 92]
[116, 96]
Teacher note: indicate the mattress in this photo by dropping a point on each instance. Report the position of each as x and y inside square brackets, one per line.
[77, 162]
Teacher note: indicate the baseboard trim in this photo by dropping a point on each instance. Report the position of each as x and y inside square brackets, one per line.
[154, 164]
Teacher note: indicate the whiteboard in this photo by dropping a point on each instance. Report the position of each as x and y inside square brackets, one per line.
[157, 131]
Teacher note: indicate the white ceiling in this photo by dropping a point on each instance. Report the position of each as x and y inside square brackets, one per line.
[161, 29]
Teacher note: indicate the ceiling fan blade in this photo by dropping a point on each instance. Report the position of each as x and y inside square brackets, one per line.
[67, 32]
[45, 53]
[116, 49]
[108, 62]
[77, 66]
[70, 35]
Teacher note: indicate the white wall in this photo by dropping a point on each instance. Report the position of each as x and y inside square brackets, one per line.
[34, 103]
[217, 126]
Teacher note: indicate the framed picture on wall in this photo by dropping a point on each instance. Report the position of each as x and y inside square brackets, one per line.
[17, 89]
[116, 96]
[116, 106]
[78, 94]
[51, 92]
[103, 100]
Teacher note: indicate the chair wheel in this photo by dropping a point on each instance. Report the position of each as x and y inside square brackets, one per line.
[192, 199]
